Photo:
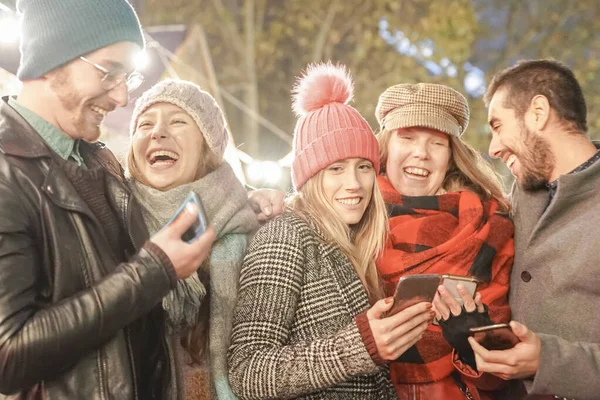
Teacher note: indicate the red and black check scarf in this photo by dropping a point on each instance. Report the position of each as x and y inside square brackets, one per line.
[454, 233]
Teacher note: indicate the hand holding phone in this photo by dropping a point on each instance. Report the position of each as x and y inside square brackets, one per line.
[396, 334]
[443, 304]
[198, 227]
[514, 358]
[495, 337]
[185, 257]
[413, 289]
[450, 282]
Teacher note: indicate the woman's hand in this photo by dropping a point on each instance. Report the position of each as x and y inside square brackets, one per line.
[395, 334]
[456, 321]
[444, 303]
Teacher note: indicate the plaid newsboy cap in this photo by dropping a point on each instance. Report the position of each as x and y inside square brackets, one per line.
[426, 105]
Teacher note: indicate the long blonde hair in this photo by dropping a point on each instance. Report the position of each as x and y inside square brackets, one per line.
[467, 170]
[362, 243]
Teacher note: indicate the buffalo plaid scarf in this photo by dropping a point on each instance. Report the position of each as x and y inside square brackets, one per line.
[454, 233]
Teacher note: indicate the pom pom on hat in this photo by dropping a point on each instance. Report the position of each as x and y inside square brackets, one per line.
[328, 129]
[320, 85]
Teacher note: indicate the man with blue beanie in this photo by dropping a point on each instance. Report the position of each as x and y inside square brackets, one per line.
[80, 281]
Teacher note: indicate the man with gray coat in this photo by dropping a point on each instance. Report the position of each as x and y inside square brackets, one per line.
[537, 114]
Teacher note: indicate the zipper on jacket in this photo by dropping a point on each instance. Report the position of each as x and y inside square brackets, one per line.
[126, 200]
[171, 356]
[132, 361]
[105, 368]
[102, 367]
[126, 217]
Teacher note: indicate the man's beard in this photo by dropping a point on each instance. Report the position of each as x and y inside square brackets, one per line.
[71, 101]
[536, 159]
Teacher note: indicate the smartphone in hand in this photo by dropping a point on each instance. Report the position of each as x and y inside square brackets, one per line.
[495, 337]
[450, 282]
[413, 289]
[199, 226]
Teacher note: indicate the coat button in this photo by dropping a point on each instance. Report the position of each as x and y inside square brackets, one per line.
[526, 276]
[49, 189]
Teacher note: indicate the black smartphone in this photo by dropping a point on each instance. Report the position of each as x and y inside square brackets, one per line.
[199, 226]
[413, 289]
[495, 337]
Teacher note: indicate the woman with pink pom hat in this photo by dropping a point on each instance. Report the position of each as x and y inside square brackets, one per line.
[308, 322]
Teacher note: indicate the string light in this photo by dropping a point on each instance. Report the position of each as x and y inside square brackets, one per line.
[263, 172]
[269, 172]
[142, 60]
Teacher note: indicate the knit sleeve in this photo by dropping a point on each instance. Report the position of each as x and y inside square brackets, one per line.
[366, 334]
[262, 363]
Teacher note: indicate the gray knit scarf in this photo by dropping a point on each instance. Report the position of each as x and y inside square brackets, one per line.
[225, 203]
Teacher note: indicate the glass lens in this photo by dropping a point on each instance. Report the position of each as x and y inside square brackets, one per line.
[134, 81]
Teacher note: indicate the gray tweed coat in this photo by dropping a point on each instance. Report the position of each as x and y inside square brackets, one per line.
[294, 332]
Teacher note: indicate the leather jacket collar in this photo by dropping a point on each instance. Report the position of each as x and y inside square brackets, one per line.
[17, 137]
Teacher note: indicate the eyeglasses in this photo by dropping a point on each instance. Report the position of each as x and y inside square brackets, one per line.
[112, 79]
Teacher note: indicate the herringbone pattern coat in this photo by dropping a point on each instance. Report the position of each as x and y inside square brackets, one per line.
[294, 330]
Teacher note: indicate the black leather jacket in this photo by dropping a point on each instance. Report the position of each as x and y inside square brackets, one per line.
[69, 311]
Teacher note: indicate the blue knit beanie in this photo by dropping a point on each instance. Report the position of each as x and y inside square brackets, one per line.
[54, 32]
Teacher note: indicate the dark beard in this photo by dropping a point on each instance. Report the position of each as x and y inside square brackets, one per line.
[62, 86]
[537, 161]
[70, 100]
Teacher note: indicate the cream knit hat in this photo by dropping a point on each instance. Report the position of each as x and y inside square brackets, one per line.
[200, 105]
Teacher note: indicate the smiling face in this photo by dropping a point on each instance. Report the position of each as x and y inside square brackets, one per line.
[514, 140]
[78, 101]
[167, 147]
[348, 187]
[417, 160]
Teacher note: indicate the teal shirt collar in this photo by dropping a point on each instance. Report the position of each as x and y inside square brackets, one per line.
[61, 143]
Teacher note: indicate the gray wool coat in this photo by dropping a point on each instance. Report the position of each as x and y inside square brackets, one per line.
[555, 284]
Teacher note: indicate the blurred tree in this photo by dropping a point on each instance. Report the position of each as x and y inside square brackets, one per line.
[259, 46]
